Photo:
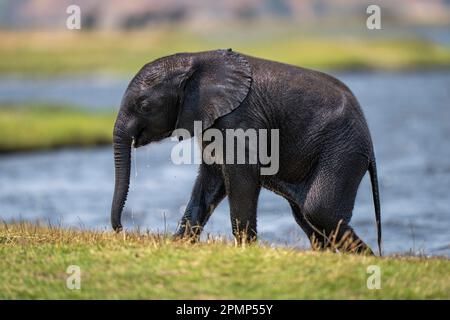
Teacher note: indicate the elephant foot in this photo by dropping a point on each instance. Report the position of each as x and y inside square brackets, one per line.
[349, 242]
[242, 239]
[188, 234]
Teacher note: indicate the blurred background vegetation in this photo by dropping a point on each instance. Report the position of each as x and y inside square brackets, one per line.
[119, 36]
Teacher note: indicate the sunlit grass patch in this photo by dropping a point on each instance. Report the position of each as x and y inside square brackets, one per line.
[144, 265]
[30, 127]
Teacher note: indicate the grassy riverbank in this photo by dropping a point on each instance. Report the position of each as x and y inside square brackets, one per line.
[52, 53]
[35, 259]
[32, 127]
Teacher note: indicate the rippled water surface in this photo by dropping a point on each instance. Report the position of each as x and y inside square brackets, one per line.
[408, 114]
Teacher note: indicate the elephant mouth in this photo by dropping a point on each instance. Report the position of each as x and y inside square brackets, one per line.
[138, 139]
[141, 139]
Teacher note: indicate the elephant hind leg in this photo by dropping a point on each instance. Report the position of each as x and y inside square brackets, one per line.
[328, 200]
[341, 239]
[300, 219]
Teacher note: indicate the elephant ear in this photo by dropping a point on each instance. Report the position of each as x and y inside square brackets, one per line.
[219, 84]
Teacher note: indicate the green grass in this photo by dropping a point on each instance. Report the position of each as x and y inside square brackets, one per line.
[31, 127]
[34, 261]
[50, 53]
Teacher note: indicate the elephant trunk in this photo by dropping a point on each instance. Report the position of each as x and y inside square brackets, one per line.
[122, 142]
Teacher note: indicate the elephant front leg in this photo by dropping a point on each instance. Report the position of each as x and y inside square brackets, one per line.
[243, 188]
[208, 191]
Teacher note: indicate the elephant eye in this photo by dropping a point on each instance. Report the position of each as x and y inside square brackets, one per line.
[144, 106]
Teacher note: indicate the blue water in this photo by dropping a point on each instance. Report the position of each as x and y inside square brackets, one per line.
[408, 114]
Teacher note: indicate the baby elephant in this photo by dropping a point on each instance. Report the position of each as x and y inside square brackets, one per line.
[323, 144]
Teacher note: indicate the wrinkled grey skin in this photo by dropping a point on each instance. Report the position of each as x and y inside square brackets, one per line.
[325, 144]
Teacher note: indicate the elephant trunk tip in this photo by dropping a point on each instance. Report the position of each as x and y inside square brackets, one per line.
[117, 227]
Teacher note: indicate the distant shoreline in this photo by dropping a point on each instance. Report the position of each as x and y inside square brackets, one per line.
[50, 127]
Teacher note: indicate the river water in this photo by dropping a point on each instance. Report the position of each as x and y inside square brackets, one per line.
[408, 114]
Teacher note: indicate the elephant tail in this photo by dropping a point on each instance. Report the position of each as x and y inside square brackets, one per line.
[376, 198]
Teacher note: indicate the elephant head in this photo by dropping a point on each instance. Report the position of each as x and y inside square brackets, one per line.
[171, 93]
